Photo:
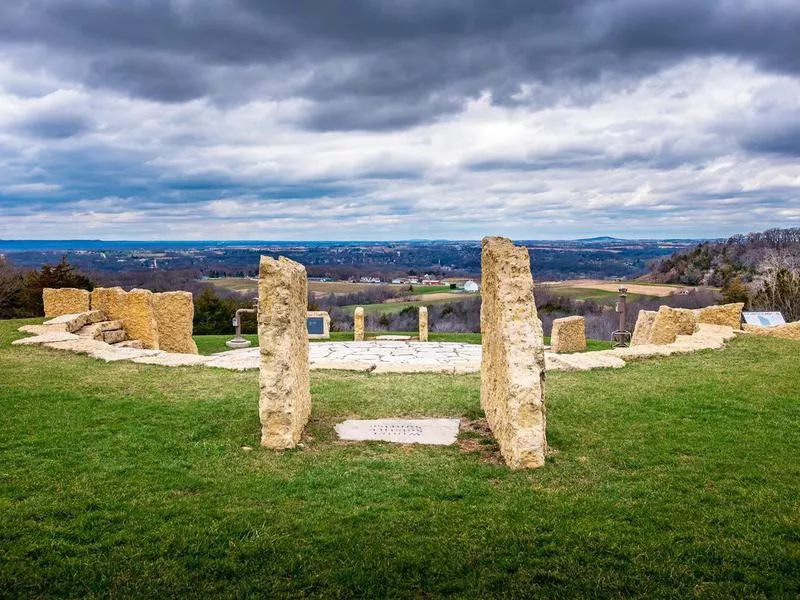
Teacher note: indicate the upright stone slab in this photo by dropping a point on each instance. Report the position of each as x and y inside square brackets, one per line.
[358, 324]
[174, 312]
[285, 394]
[641, 331]
[723, 314]
[670, 322]
[512, 362]
[568, 335]
[135, 309]
[64, 301]
[423, 323]
[318, 325]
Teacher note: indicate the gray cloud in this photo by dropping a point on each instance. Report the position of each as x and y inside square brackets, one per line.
[388, 64]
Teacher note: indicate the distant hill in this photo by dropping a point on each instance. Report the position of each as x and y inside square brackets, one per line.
[602, 238]
[717, 263]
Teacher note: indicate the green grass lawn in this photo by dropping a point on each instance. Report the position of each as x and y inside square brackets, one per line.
[211, 344]
[670, 478]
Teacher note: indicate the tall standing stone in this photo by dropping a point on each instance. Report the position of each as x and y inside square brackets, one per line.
[64, 301]
[135, 309]
[512, 363]
[423, 323]
[285, 393]
[358, 324]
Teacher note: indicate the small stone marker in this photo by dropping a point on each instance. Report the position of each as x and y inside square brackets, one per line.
[423, 323]
[285, 391]
[358, 324]
[392, 338]
[569, 335]
[437, 432]
[318, 324]
[512, 357]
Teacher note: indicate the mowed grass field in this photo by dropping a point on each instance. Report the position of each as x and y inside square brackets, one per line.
[670, 478]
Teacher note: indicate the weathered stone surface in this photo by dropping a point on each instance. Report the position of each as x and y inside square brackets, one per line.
[114, 336]
[135, 309]
[423, 323]
[75, 322]
[437, 432]
[326, 324]
[724, 314]
[285, 393]
[358, 324]
[644, 324]
[136, 344]
[45, 338]
[568, 335]
[512, 361]
[174, 312]
[788, 331]
[64, 301]
[669, 323]
[96, 330]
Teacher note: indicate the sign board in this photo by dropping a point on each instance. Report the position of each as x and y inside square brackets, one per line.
[764, 319]
[315, 325]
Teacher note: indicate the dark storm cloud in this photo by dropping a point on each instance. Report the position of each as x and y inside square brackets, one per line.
[54, 126]
[389, 64]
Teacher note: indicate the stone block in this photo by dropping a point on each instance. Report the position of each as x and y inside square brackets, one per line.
[174, 312]
[285, 393]
[568, 335]
[114, 336]
[644, 324]
[65, 301]
[512, 359]
[135, 309]
[723, 314]
[423, 323]
[358, 324]
[326, 325]
[787, 331]
[669, 323]
[73, 323]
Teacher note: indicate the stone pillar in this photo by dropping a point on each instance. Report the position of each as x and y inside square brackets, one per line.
[358, 324]
[512, 362]
[285, 392]
[423, 323]
[135, 309]
[568, 335]
[64, 301]
[175, 320]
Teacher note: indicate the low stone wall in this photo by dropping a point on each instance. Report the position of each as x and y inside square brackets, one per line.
[284, 381]
[135, 309]
[787, 331]
[174, 313]
[568, 335]
[512, 357]
[65, 301]
[723, 314]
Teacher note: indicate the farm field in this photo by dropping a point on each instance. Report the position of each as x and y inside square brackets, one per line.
[670, 478]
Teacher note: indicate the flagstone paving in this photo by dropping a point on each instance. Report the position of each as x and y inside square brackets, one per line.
[379, 356]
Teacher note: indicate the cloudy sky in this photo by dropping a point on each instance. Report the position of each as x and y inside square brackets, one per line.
[398, 119]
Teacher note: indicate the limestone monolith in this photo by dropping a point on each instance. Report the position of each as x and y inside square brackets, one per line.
[64, 301]
[358, 324]
[569, 335]
[423, 323]
[135, 309]
[285, 394]
[174, 313]
[512, 362]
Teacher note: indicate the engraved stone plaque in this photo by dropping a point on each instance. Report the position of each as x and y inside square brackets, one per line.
[440, 432]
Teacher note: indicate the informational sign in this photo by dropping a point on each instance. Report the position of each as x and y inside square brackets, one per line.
[764, 319]
[316, 325]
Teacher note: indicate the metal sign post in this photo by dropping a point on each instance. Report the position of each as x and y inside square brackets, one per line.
[621, 338]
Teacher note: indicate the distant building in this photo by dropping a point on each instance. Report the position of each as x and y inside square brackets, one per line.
[471, 286]
[431, 282]
[370, 280]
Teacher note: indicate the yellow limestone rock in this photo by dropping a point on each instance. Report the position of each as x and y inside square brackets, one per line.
[64, 301]
[644, 324]
[285, 393]
[512, 360]
[670, 322]
[724, 314]
[135, 310]
[569, 335]
[358, 324]
[423, 323]
[787, 331]
[174, 313]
